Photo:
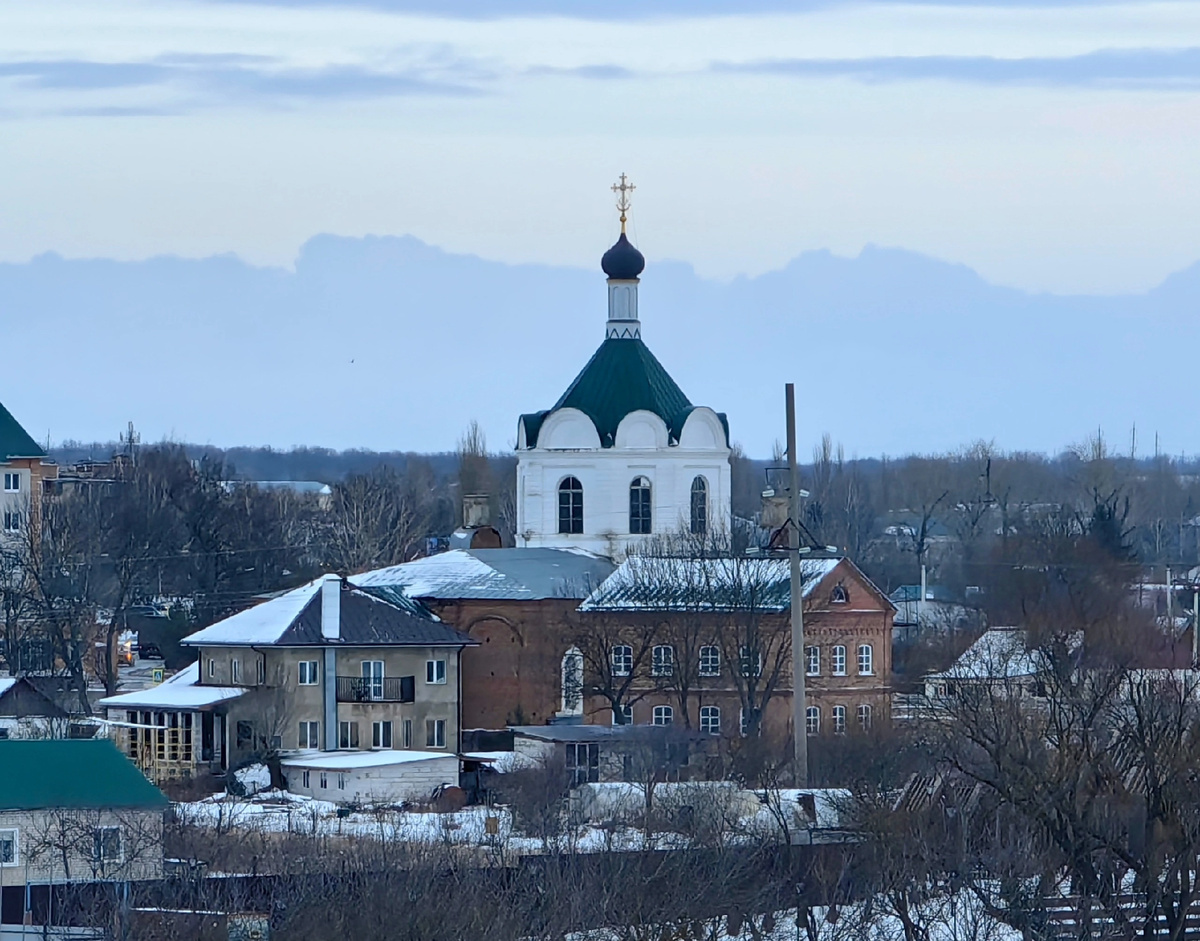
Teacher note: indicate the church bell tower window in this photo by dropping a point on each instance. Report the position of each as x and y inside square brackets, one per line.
[570, 506]
[639, 506]
[699, 506]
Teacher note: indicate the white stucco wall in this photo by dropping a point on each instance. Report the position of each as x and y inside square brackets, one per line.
[407, 781]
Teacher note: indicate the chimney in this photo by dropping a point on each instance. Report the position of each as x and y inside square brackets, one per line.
[477, 510]
[331, 607]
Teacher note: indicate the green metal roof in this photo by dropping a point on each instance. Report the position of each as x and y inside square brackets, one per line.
[15, 440]
[84, 773]
[621, 377]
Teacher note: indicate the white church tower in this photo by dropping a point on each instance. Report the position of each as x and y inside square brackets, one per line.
[623, 454]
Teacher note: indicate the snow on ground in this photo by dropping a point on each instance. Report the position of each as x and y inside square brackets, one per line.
[253, 778]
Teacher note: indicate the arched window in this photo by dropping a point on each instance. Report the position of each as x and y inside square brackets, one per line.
[639, 505]
[866, 660]
[864, 717]
[812, 720]
[663, 715]
[839, 595]
[710, 720]
[572, 682]
[622, 660]
[839, 719]
[839, 660]
[699, 505]
[710, 660]
[570, 506]
[662, 662]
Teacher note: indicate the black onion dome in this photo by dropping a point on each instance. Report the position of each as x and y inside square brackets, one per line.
[623, 262]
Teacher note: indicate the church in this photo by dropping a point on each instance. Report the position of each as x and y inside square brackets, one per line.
[623, 454]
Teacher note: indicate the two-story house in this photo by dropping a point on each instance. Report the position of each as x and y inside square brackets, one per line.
[23, 468]
[324, 667]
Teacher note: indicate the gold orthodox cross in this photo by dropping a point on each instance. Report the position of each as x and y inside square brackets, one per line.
[623, 189]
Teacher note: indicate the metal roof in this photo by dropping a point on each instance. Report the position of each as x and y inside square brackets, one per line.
[15, 441]
[52, 773]
[494, 574]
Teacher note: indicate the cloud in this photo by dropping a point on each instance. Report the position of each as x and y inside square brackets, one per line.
[1112, 68]
[603, 72]
[73, 73]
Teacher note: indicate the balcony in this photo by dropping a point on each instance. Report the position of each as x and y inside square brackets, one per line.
[385, 689]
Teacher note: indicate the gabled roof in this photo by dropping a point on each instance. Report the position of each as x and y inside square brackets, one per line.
[82, 773]
[15, 441]
[366, 618]
[622, 376]
[33, 702]
[493, 574]
[726, 583]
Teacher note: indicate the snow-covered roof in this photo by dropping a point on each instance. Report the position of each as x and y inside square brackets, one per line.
[356, 760]
[382, 616]
[1000, 653]
[7, 684]
[726, 583]
[518, 574]
[181, 691]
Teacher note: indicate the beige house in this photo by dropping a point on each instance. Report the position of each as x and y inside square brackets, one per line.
[71, 812]
[324, 667]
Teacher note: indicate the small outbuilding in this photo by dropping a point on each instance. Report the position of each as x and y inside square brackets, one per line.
[359, 777]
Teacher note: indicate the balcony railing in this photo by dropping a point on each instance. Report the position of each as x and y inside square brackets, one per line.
[384, 689]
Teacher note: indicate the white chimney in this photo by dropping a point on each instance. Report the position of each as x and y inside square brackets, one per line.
[331, 607]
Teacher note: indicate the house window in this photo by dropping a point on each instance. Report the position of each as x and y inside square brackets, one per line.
[744, 721]
[839, 595]
[12, 521]
[627, 712]
[663, 715]
[639, 506]
[306, 781]
[341, 781]
[8, 848]
[710, 660]
[622, 660]
[812, 661]
[750, 661]
[710, 720]
[310, 735]
[812, 720]
[663, 660]
[347, 735]
[212, 668]
[570, 506]
[372, 676]
[381, 735]
[106, 844]
[260, 671]
[839, 719]
[864, 717]
[839, 660]
[235, 669]
[699, 506]
[572, 682]
[245, 734]
[308, 673]
[866, 660]
[407, 730]
[435, 671]
[583, 763]
[435, 733]
[12, 483]
[323, 780]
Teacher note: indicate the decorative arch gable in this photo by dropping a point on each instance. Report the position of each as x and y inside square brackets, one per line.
[702, 431]
[642, 429]
[568, 429]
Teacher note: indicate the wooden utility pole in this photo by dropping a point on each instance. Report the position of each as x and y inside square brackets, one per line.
[799, 711]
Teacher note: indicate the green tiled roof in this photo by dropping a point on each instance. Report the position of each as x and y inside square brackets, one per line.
[621, 377]
[85, 773]
[15, 440]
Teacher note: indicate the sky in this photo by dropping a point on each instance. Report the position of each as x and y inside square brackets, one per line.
[1050, 146]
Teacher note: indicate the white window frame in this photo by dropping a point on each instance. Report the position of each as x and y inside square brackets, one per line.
[309, 734]
[406, 731]
[212, 667]
[348, 733]
[812, 661]
[305, 779]
[98, 855]
[260, 671]
[866, 654]
[341, 780]
[235, 670]
[839, 720]
[323, 780]
[710, 660]
[435, 672]
[12, 834]
[743, 722]
[12, 482]
[863, 714]
[621, 657]
[664, 715]
[662, 660]
[12, 521]
[710, 719]
[838, 656]
[373, 672]
[378, 728]
[628, 710]
[435, 733]
[310, 667]
[743, 661]
[812, 720]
